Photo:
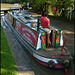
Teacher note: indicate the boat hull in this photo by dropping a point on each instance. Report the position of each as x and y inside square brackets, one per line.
[45, 61]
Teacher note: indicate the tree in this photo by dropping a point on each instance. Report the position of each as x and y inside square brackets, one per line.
[62, 6]
[43, 5]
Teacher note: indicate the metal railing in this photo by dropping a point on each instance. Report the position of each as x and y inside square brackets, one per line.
[70, 13]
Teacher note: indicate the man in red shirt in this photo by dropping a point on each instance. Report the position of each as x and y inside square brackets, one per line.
[45, 23]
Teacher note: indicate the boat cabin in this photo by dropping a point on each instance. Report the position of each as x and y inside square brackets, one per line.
[30, 29]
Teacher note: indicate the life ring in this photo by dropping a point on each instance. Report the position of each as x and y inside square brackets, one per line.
[51, 64]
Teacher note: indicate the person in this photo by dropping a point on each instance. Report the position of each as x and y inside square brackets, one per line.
[54, 10]
[22, 8]
[45, 24]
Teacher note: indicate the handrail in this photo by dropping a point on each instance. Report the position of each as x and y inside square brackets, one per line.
[63, 43]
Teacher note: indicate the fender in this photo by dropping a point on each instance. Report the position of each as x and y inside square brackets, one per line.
[51, 64]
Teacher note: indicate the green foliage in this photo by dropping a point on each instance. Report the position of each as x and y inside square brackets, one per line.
[65, 3]
[24, 4]
[62, 6]
[11, 1]
[39, 5]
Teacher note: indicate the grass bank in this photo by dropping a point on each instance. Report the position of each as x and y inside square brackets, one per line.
[8, 65]
[5, 6]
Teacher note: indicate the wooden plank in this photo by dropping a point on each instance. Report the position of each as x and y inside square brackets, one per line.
[53, 38]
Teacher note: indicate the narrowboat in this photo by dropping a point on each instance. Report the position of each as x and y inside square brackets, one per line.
[28, 31]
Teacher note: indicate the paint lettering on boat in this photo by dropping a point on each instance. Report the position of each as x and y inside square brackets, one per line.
[29, 35]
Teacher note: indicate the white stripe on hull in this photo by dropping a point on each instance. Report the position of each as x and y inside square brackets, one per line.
[43, 59]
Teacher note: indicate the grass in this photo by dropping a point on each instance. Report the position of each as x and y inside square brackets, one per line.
[5, 6]
[8, 65]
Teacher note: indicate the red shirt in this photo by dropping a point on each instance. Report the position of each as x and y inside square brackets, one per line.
[44, 22]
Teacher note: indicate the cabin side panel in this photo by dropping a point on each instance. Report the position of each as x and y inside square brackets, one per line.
[17, 25]
[30, 35]
[10, 18]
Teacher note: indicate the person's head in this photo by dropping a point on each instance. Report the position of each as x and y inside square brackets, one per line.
[45, 14]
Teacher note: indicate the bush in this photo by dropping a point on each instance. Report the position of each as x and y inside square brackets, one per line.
[41, 5]
[24, 4]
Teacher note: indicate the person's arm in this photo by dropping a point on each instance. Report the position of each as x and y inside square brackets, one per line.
[49, 24]
[49, 27]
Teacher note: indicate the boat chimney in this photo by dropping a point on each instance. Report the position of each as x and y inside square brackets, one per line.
[38, 23]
